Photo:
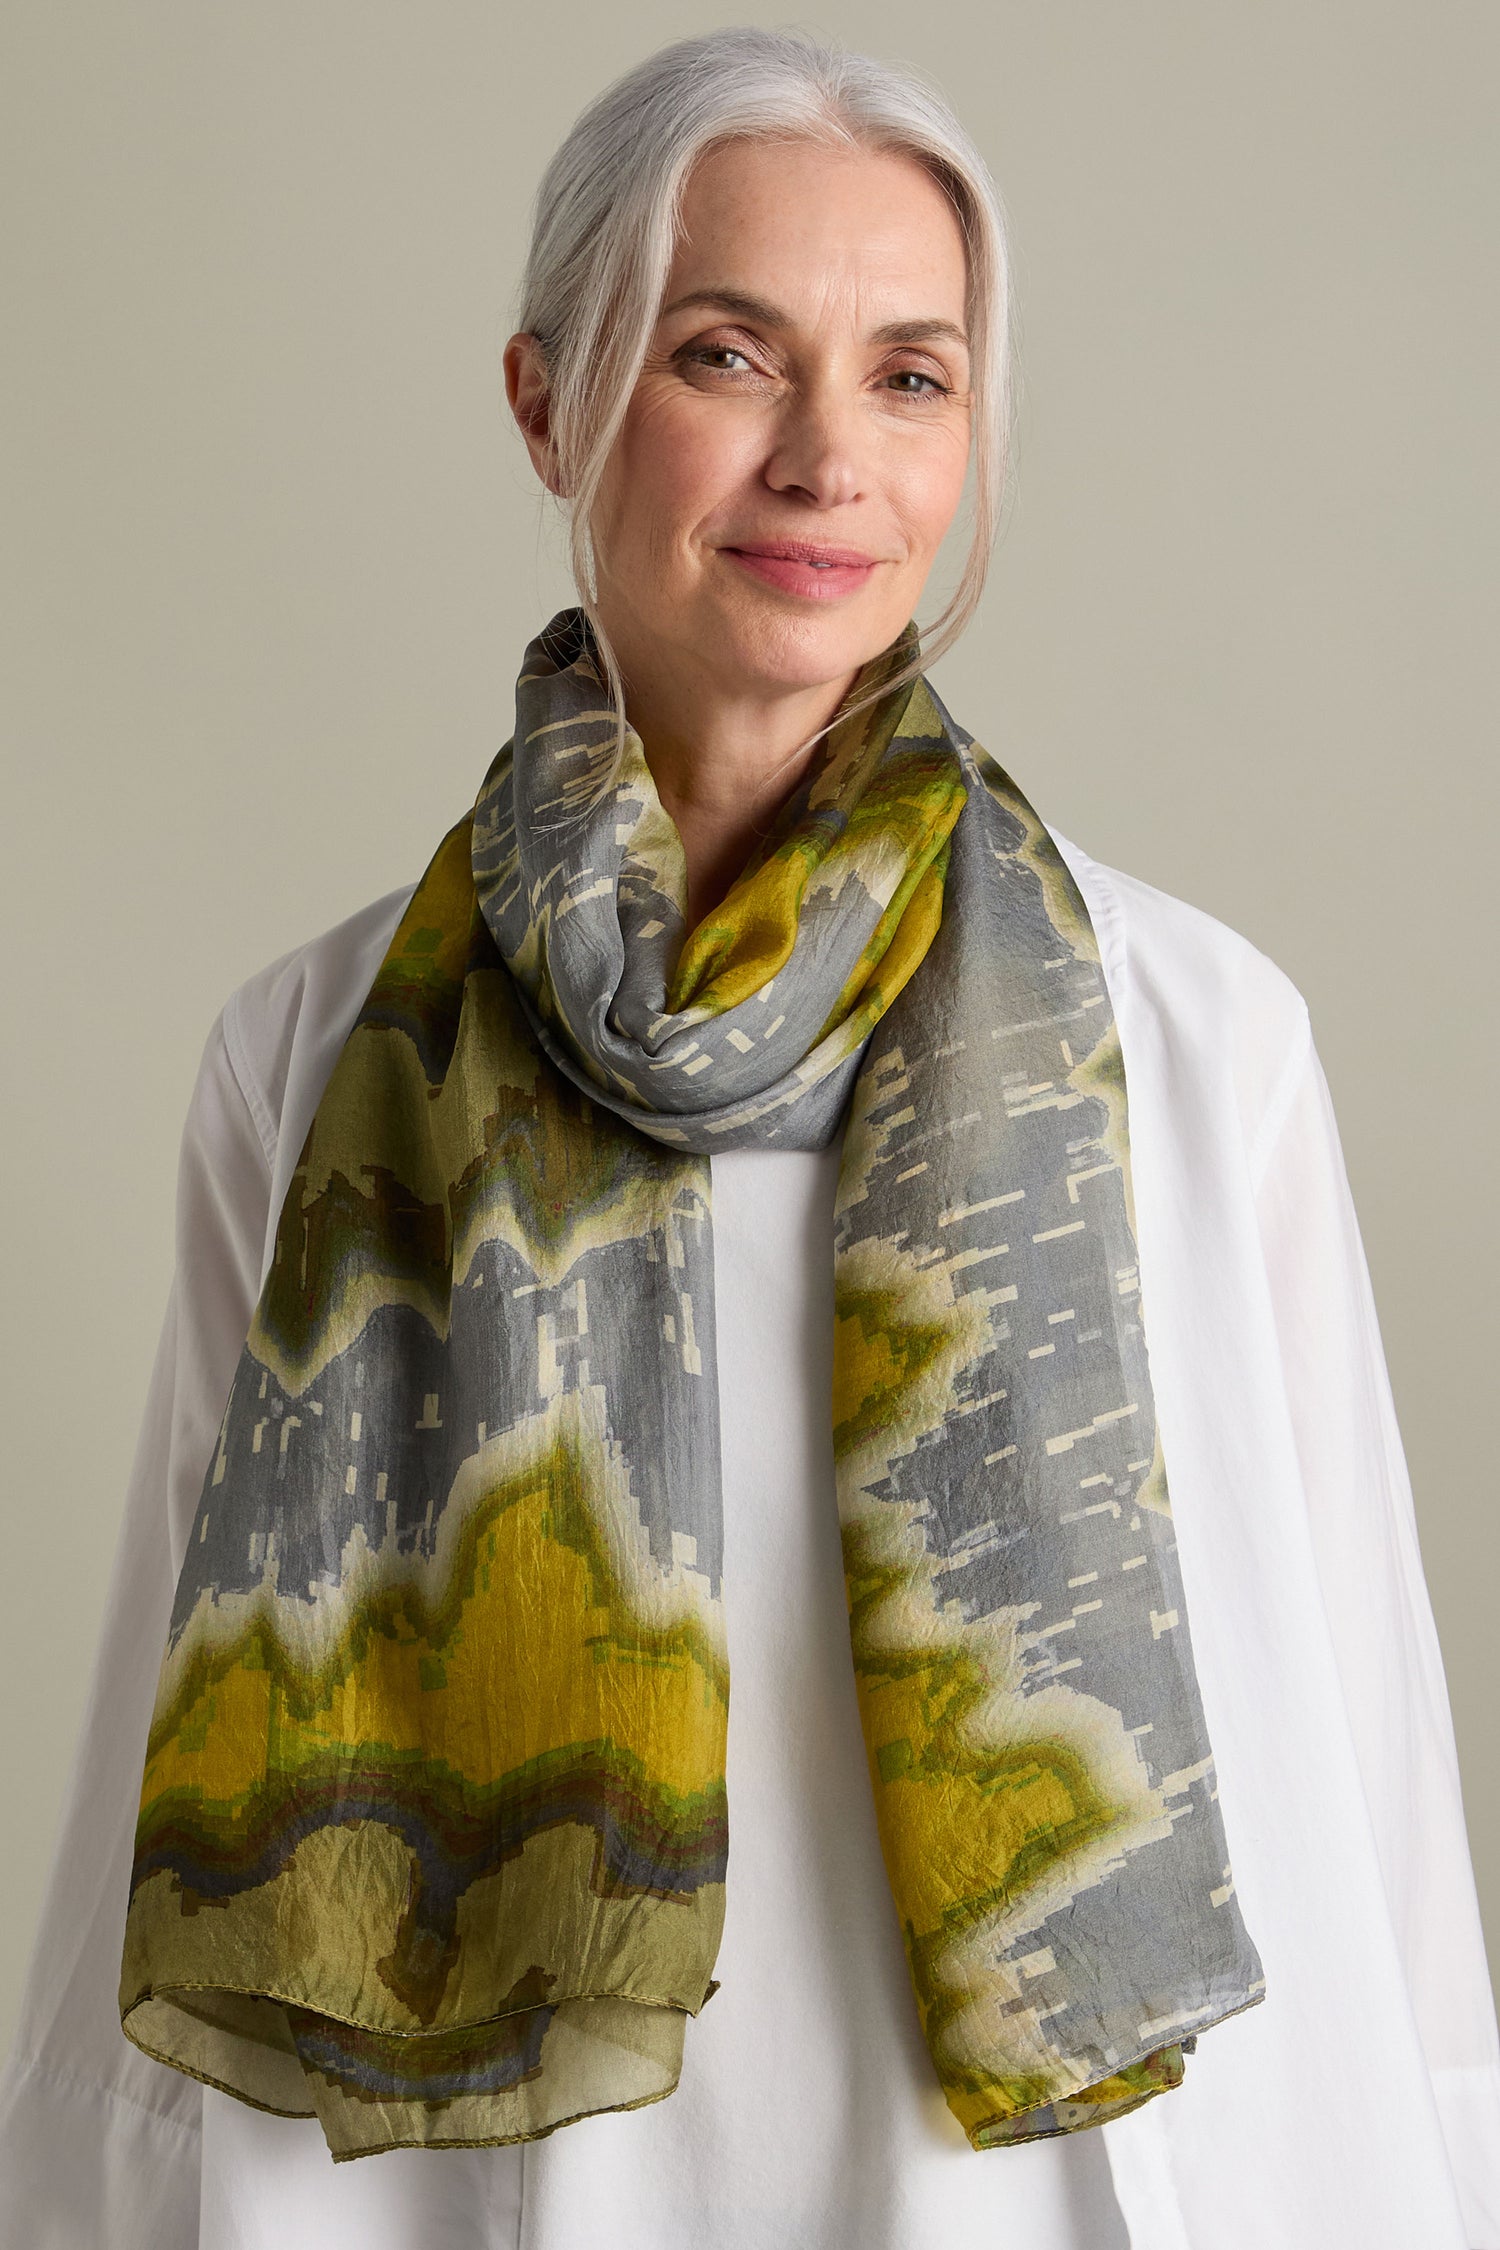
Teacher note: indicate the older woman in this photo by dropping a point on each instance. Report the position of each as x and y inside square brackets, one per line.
[708, 1229]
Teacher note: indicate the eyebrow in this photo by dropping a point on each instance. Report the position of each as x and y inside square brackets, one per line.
[744, 307]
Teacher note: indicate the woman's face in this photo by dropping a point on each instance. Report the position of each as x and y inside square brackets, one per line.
[795, 446]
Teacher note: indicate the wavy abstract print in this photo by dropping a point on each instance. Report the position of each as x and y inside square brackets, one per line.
[433, 1832]
[1043, 1779]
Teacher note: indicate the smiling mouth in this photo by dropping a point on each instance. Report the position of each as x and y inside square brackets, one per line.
[796, 566]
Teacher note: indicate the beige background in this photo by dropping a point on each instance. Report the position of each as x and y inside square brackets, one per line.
[271, 556]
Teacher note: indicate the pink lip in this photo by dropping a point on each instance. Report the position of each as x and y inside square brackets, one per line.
[798, 566]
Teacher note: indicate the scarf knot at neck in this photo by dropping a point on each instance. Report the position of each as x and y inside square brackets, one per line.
[749, 1028]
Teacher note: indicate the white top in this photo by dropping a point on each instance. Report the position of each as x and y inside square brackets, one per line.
[1356, 2108]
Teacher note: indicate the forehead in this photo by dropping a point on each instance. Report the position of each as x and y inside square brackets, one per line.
[806, 225]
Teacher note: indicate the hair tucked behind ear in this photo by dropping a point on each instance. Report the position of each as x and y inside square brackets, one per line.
[606, 225]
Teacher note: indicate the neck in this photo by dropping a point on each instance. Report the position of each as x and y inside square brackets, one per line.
[723, 765]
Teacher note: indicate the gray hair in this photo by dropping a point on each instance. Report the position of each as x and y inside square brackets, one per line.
[607, 220]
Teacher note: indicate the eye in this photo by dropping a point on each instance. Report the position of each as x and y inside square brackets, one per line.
[717, 357]
[905, 380]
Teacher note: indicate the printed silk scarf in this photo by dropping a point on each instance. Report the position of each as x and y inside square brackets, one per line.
[433, 1831]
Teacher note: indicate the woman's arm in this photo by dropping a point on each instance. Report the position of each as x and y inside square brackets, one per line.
[1380, 1616]
[98, 2143]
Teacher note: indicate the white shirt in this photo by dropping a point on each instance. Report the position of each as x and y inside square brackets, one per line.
[1356, 2108]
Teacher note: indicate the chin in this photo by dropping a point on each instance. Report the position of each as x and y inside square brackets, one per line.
[779, 646]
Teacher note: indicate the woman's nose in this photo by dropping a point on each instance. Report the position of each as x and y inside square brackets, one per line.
[817, 449]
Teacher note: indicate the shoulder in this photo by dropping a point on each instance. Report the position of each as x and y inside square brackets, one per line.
[284, 1024]
[1200, 993]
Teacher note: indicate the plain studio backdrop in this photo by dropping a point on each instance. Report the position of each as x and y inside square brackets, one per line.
[273, 552]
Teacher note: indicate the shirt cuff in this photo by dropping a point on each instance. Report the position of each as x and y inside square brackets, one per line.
[85, 2168]
[1469, 2106]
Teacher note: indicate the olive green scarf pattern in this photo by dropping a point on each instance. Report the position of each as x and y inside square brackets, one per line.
[433, 1835]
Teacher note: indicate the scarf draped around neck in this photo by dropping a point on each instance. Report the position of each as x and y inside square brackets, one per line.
[433, 1833]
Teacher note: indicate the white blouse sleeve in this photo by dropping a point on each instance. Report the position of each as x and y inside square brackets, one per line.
[99, 2144]
[1375, 1593]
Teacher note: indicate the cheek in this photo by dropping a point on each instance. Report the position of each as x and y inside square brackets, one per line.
[926, 484]
[676, 463]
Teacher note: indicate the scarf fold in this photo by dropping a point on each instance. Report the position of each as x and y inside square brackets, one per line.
[433, 1830]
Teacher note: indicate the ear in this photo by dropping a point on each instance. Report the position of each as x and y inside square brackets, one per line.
[529, 395]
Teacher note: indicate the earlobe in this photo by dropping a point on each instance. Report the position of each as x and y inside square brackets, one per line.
[528, 393]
